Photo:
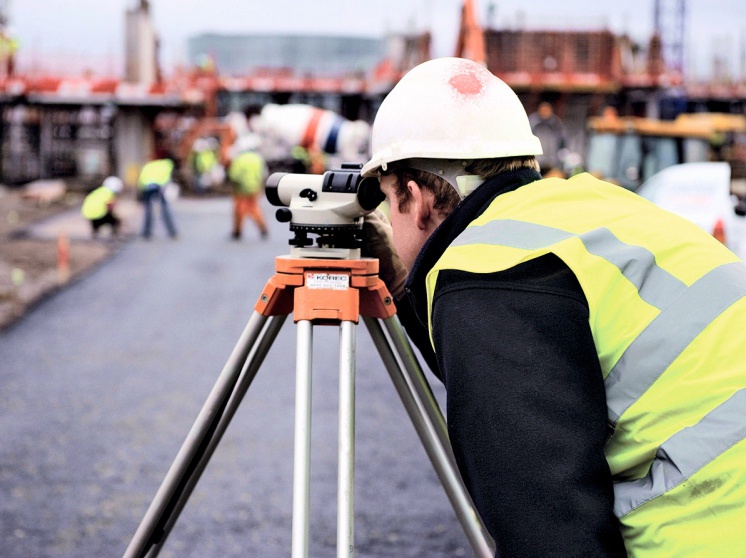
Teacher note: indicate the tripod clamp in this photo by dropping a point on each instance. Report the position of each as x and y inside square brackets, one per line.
[326, 290]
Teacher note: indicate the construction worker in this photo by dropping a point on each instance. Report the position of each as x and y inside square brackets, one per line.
[205, 163]
[300, 160]
[550, 130]
[8, 50]
[154, 177]
[98, 206]
[310, 160]
[247, 173]
[591, 344]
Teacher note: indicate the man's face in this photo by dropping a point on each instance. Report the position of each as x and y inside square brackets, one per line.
[409, 235]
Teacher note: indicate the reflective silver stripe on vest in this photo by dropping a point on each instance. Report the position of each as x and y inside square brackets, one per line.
[655, 285]
[663, 340]
[685, 312]
[685, 453]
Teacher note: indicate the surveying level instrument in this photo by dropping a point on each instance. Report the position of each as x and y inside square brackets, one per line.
[326, 284]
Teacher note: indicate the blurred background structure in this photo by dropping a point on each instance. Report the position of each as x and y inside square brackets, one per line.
[85, 125]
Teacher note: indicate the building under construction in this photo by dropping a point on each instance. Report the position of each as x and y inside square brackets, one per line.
[90, 126]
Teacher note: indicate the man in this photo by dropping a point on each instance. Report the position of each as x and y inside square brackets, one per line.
[548, 127]
[247, 173]
[98, 206]
[590, 343]
[154, 178]
[204, 162]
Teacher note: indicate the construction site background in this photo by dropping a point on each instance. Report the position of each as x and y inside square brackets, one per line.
[62, 130]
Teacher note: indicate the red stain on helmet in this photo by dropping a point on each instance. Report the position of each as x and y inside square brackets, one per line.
[466, 83]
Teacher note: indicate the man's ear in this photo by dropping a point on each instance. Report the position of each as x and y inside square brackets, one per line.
[422, 206]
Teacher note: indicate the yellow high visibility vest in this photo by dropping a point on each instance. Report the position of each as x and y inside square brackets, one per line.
[668, 314]
[155, 172]
[205, 160]
[247, 171]
[95, 204]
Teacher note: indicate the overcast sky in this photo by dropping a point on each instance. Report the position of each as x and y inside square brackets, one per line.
[57, 33]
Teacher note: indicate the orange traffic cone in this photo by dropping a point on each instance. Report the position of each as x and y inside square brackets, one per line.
[63, 258]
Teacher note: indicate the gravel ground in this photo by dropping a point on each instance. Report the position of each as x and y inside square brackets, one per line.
[32, 255]
[102, 381]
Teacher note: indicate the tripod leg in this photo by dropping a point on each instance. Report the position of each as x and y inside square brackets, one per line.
[151, 530]
[261, 348]
[346, 445]
[424, 412]
[302, 444]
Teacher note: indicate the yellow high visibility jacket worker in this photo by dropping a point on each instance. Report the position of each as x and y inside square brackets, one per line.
[205, 160]
[248, 171]
[98, 206]
[154, 176]
[590, 343]
[97, 203]
[667, 311]
[155, 173]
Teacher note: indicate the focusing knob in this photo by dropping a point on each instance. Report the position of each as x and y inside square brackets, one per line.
[284, 215]
[309, 193]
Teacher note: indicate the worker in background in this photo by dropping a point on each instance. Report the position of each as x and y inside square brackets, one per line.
[154, 178]
[98, 206]
[316, 160]
[205, 163]
[548, 127]
[8, 51]
[310, 160]
[247, 173]
[300, 160]
[591, 343]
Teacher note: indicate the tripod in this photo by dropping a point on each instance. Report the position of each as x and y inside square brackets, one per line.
[318, 292]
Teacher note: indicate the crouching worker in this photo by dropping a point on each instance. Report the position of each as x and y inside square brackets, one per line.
[591, 343]
[98, 206]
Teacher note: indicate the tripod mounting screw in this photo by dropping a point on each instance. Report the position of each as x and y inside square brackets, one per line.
[387, 300]
[265, 298]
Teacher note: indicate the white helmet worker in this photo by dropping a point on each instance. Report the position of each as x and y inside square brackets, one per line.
[200, 144]
[113, 183]
[247, 142]
[452, 110]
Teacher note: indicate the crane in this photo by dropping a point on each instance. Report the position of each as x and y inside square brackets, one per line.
[669, 21]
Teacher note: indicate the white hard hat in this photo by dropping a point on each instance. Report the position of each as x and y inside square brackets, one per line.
[113, 183]
[450, 108]
[247, 142]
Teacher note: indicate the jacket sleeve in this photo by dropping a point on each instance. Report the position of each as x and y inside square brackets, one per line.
[417, 333]
[526, 408]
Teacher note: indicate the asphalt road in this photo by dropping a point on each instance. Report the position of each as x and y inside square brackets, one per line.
[100, 384]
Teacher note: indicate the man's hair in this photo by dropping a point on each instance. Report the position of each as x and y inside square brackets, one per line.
[446, 196]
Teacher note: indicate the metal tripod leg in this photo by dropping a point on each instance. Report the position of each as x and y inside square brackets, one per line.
[302, 445]
[425, 414]
[346, 442]
[212, 421]
[229, 390]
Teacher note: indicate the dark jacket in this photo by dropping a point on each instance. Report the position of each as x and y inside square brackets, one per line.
[526, 406]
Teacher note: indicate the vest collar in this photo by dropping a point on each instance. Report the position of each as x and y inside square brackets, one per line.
[469, 209]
